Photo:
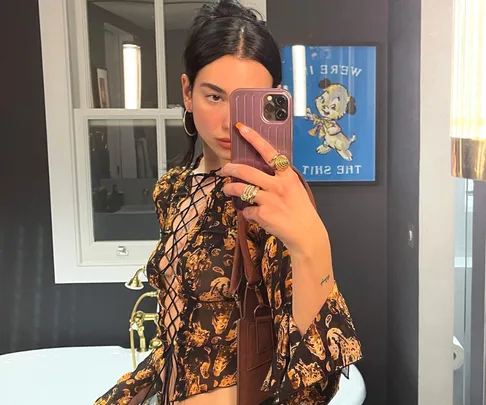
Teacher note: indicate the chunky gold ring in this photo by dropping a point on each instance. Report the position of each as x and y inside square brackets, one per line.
[280, 162]
[249, 193]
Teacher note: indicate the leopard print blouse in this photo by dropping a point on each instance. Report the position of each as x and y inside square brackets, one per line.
[198, 314]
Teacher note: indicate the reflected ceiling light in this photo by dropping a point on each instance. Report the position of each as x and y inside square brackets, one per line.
[132, 75]
[468, 106]
[299, 96]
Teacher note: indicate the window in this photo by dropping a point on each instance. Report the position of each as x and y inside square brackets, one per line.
[113, 112]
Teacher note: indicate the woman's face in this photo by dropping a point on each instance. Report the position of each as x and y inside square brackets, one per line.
[209, 99]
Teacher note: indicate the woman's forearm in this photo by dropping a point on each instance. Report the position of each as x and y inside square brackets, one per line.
[312, 279]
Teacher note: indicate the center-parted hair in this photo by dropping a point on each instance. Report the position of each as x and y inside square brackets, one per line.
[228, 28]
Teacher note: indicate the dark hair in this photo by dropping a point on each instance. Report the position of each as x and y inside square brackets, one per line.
[228, 28]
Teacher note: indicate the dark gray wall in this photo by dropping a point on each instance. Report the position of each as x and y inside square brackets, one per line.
[356, 216]
[403, 198]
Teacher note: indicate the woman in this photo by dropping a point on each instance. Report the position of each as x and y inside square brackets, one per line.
[229, 48]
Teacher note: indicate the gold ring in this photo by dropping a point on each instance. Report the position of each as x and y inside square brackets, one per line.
[249, 193]
[280, 162]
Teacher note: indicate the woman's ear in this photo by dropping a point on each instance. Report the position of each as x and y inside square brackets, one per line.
[186, 92]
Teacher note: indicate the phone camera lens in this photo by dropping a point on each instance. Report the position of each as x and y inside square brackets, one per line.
[269, 108]
[280, 101]
[281, 114]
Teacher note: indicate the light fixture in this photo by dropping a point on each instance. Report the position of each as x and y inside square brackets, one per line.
[132, 75]
[468, 107]
[469, 158]
[299, 97]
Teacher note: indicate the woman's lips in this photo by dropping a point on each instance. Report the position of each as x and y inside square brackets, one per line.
[225, 143]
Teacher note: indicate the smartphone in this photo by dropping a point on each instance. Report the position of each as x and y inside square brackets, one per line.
[268, 112]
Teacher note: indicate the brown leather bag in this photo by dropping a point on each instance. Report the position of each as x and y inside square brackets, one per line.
[255, 336]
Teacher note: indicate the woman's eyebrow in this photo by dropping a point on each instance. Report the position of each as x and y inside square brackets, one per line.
[213, 87]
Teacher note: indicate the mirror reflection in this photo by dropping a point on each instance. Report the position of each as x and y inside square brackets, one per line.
[123, 163]
[122, 47]
[122, 54]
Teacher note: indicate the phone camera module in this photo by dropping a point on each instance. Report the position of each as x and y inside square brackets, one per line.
[275, 107]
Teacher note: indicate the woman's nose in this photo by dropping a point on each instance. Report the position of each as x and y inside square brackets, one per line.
[226, 121]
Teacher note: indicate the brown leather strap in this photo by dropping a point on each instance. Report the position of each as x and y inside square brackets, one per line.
[242, 256]
[236, 273]
[242, 252]
[252, 276]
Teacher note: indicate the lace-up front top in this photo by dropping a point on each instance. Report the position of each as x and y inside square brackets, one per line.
[191, 268]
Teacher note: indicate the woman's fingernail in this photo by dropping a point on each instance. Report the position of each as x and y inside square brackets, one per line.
[242, 128]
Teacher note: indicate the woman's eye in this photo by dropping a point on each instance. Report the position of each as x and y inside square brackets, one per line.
[214, 98]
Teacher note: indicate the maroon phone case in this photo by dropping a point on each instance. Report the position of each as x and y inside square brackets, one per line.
[246, 106]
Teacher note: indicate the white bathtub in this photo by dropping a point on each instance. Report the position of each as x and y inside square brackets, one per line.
[79, 375]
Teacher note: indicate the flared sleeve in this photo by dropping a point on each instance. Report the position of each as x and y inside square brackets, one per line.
[145, 377]
[306, 367]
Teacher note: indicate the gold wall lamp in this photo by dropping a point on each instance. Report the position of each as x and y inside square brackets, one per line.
[468, 106]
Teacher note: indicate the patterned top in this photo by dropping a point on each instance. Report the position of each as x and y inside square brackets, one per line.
[191, 268]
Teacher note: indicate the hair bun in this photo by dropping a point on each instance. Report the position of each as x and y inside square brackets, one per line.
[226, 9]
[233, 8]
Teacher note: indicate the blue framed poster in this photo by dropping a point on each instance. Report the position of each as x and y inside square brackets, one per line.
[335, 137]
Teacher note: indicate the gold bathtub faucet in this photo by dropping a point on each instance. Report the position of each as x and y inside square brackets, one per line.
[138, 319]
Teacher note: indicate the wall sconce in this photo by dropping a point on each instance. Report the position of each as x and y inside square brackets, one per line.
[299, 98]
[469, 158]
[468, 107]
[132, 75]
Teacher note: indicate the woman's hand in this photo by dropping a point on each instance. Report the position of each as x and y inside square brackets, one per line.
[283, 208]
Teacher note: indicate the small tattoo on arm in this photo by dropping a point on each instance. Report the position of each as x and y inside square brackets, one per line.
[325, 280]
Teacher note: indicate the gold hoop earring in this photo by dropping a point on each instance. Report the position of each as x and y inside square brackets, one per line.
[184, 125]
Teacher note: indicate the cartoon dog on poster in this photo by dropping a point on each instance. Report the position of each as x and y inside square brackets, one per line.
[332, 104]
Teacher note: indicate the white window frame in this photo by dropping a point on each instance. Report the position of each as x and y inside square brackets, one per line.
[68, 100]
